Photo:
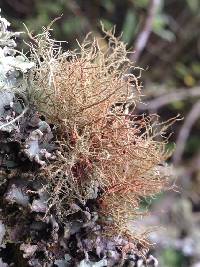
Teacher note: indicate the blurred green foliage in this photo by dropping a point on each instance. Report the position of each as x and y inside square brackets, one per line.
[171, 258]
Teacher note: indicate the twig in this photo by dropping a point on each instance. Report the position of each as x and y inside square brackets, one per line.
[191, 118]
[52, 22]
[15, 119]
[169, 98]
[144, 34]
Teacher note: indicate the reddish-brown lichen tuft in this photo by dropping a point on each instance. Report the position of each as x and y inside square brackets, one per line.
[104, 146]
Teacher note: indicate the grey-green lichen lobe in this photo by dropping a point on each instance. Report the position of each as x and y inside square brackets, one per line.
[13, 63]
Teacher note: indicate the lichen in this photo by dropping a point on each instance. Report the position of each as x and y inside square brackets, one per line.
[76, 159]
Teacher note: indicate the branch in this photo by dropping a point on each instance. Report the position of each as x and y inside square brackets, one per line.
[166, 99]
[191, 118]
[144, 34]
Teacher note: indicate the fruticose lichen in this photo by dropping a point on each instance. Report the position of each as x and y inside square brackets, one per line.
[76, 158]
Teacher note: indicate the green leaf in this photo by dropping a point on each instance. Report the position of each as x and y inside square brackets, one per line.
[108, 5]
[178, 105]
[50, 7]
[195, 68]
[141, 3]
[129, 26]
[181, 70]
[166, 34]
[193, 5]
[159, 27]
[107, 24]
[172, 258]
[73, 25]
[192, 145]
[160, 21]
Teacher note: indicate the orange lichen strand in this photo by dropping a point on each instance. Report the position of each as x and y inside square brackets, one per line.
[102, 143]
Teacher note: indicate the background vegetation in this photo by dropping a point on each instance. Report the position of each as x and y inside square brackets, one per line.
[165, 36]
